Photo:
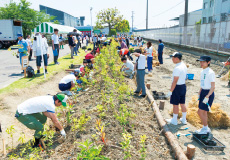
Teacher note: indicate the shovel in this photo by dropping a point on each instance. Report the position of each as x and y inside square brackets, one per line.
[220, 73]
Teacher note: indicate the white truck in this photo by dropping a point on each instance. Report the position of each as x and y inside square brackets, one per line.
[8, 32]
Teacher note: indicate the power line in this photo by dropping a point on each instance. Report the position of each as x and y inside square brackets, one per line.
[169, 9]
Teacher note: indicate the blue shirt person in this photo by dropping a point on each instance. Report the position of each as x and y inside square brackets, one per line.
[160, 51]
[22, 50]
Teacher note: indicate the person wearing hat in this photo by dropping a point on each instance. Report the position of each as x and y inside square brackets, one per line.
[177, 92]
[206, 93]
[33, 114]
[140, 68]
[23, 49]
[160, 51]
[68, 82]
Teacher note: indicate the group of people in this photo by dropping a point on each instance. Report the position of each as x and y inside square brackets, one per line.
[177, 91]
[33, 113]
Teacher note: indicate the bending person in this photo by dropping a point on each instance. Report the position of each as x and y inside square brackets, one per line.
[33, 114]
[127, 67]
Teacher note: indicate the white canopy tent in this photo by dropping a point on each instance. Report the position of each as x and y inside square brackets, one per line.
[48, 27]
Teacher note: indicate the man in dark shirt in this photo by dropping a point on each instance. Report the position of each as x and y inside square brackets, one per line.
[160, 51]
[127, 41]
[71, 44]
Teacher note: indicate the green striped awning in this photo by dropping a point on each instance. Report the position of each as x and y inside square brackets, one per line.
[48, 27]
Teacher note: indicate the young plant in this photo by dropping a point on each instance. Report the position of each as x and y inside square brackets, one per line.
[100, 128]
[22, 138]
[79, 123]
[90, 152]
[124, 115]
[126, 144]
[10, 131]
[69, 115]
[143, 149]
[101, 111]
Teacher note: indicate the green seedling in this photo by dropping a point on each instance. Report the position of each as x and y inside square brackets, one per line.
[126, 145]
[90, 152]
[10, 131]
[143, 149]
[79, 123]
[22, 138]
[124, 115]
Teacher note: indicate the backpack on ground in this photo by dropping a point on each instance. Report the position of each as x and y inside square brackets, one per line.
[30, 72]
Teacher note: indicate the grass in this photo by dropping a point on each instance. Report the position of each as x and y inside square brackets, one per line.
[65, 62]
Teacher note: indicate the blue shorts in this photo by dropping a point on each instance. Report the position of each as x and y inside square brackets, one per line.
[178, 95]
[203, 94]
[39, 59]
[64, 87]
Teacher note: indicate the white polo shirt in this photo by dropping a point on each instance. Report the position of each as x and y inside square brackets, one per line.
[141, 62]
[206, 77]
[180, 71]
[37, 105]
[55, 38]
[129, 65]
[149, 51]
[67, 79]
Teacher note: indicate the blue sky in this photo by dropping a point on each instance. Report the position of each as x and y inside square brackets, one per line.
[82, 8]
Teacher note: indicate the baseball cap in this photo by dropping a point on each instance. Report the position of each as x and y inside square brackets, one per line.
[63, 98]
[176, 54]
[204, 58]
[77, 72]
[19, 35]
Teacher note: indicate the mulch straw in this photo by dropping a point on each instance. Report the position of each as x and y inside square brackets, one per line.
[218, 118]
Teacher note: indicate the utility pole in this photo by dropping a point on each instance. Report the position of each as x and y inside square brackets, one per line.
[186, 13]
[132, 21]
[147, 14]
[91, 23]
[185, 22]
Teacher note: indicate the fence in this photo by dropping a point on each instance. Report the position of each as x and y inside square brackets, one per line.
[212, 36]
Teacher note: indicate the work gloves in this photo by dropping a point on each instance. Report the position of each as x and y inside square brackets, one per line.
[63, 133]
[205, 101]
[169, 94]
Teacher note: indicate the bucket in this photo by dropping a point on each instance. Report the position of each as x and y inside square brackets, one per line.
[190, 76]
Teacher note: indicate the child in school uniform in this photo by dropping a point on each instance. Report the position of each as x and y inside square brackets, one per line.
[206, 93]
[177, 92]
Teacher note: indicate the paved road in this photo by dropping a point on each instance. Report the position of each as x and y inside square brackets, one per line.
[10, 68]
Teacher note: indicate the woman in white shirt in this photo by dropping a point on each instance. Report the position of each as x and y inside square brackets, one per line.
[149, 51]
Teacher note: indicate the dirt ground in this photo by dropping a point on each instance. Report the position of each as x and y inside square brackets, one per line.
[9, 102]
[144, 123]
[161, 82]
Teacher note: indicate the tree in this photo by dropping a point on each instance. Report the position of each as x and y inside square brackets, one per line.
[56, 22]
[123, 26]
[113, 32]
[108, 18]
[21, 11]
